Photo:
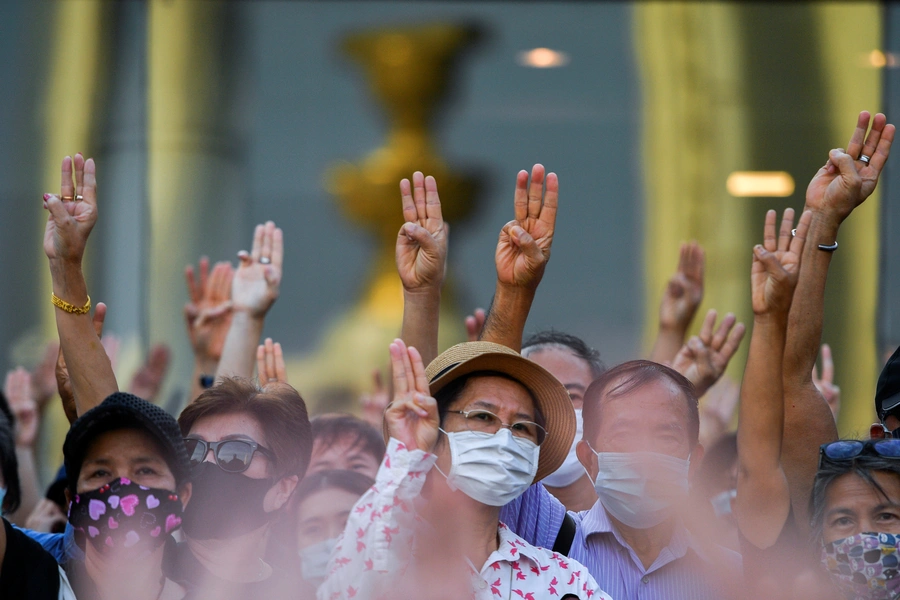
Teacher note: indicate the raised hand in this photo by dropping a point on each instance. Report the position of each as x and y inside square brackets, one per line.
[422, 241]
[412, 416]
[208, 314]
[684, 292]
[776, 264]
[474, 324]
[148, 380]
[256, 282]
[46, 518]
[270, 363]
[18, 392]
[845, 181]
[717, 410]
[43, 379]
[375, 402]
[825, 384]
[73, 211]
[524, 245]
[704, 358]
[63, 381]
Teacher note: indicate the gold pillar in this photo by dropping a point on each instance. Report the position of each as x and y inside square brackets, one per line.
[849, 31]
[694, 135]
[75, 80]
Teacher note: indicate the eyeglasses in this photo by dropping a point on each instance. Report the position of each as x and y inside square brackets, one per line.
[232, 456]
[849, 449]
[484, 421]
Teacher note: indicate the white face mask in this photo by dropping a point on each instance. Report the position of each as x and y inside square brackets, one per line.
[314, 560]
[571, 470]
[493, 469]
[641, 489]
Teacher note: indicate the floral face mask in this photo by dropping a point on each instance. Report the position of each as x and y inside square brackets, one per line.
[865, 566]
[123, 514]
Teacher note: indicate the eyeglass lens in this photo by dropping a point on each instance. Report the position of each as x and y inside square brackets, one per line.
[889, 448]
[232, 455]
[483, 421]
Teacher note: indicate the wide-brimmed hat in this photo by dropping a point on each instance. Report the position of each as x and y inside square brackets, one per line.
[551, 396]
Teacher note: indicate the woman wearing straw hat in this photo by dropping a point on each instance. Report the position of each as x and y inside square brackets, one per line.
[466, 436]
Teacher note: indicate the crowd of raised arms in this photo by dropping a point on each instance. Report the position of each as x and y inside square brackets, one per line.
[499, 468]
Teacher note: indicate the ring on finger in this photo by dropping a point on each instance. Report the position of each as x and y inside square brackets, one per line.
[864, 159]
[271, 379]
[66, 198]
[264, 260]
[79, 198]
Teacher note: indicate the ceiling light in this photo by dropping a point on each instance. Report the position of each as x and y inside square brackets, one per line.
[543, 58]
[757, 184]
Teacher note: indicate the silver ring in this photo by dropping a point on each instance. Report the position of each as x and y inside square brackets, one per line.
[793, 233]
[79, 198]
[264, 260]
[864, 159]
[271, 379]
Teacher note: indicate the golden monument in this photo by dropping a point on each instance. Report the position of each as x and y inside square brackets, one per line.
[408, 70]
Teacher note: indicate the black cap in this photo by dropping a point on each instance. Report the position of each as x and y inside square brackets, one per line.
[120, 411]
[887, 394]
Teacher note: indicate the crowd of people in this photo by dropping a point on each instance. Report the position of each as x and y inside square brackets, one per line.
[502, 467]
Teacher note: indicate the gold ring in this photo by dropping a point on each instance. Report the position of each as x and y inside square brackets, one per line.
[66, 198]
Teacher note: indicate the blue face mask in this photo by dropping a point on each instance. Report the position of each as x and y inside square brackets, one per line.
[2, 498]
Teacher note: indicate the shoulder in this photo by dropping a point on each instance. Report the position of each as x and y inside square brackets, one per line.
[28, 571]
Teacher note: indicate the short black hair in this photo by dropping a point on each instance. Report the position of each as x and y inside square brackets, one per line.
[864, 466]
[550, 338]
[9, 466]
[329, 429]
[630, 376]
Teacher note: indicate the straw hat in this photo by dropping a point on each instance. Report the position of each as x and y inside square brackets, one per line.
[550, 395]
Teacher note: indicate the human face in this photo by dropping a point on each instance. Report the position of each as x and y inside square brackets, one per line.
[130, 453]
[506, 398]
[235, 426]
[323, 515]
[651, 418]
[573, 372]
[854, 506]
[346, 453]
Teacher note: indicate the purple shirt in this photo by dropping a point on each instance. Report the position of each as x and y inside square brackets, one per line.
[679, 572]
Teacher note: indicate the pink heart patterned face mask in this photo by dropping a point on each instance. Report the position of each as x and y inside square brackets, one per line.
[122, 515]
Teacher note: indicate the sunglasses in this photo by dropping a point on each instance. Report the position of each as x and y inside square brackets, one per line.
[232, 456]
[849, 449]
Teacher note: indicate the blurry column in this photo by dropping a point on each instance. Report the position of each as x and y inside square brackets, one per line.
[195, 183]
[849, 32]
[694, 135]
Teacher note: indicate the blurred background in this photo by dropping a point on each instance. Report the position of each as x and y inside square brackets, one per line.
[206, 118]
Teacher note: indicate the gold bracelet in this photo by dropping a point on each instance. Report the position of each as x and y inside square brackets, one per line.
[70, 308]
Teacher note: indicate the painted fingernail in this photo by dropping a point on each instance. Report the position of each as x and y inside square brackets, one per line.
[46, 196]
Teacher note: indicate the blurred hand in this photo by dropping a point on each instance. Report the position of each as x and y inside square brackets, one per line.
[43, 379]
[17, 389]
[524, 245]
[684, 292]
[375, 402]
[70, 220]
[704, 358]
[63, 382]
[208, 314]
[825, 384]
[422, 241]
[46, 518]
[845, 181]
[270, 363]
[717, 410]
[776, 264]
[256, 282]
[474, 324]
[148, 380]
[412, 416]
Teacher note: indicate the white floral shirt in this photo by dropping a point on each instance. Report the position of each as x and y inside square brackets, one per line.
[373, 558]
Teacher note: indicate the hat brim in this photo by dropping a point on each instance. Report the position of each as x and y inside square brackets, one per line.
[551, 396]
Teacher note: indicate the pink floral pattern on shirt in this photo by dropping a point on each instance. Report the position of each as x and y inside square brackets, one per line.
[372, 558]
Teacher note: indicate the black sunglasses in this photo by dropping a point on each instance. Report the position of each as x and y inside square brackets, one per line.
[232, 456]
[849, 449]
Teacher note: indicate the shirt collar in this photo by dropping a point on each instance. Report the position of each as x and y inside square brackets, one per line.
[596, 520]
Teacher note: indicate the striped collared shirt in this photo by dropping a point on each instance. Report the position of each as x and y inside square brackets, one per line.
[681, 570]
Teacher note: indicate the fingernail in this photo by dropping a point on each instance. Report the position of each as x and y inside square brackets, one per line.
[46, 196]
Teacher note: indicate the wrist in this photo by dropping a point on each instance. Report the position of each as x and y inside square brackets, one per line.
[668, 328]
[422, 295]
[248, 316]
[771, 318]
